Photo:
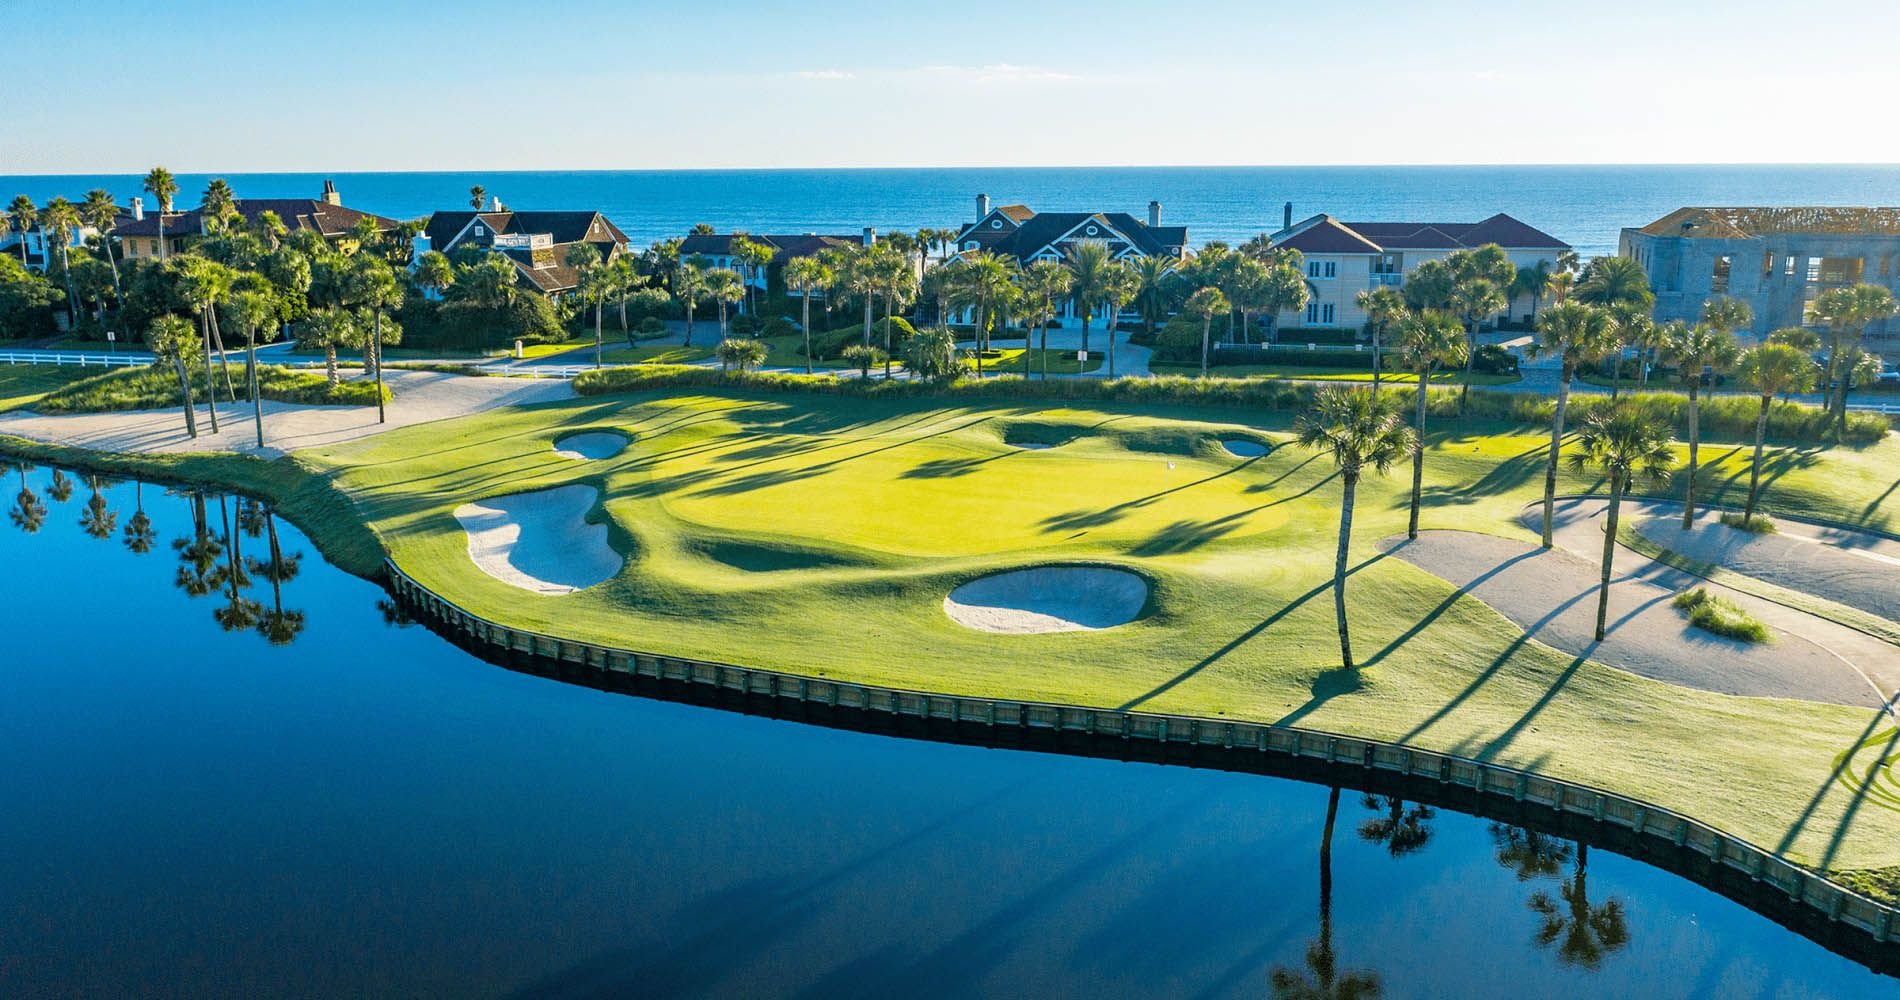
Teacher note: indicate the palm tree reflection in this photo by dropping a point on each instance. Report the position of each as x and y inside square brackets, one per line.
[239, 612]
[278, 625]
[60, 489]
[98, 520]
[198, 553]
[1583, 932]
[28, 513]
[140, 536]
[1321, 979]
[1401, 829]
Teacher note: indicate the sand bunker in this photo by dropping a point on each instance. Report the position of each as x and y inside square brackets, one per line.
[591, 445]
[1243, 448]
[1049, 599]
[540, 542]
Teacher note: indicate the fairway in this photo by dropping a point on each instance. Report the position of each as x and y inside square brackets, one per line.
[822, 535]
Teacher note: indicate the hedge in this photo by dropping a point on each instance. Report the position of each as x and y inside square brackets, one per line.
[156, 387]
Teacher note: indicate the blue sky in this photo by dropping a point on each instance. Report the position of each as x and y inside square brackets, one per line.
[352, 85]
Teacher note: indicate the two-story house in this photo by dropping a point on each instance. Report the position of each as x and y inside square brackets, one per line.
[325, 215]
[537, 242]
[716, 250]
[1027, 236]
[1346, 258]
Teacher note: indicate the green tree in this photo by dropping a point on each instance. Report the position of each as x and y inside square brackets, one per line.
[1846, 313]
[477, 197]
[689, 283]
[1577, 334]
[278, 625]
[594, 283]
[897, 280]
[434, 273]
[1625, 444]
[983, 279]
[1428, 340]
[1773, 369]
[1695, 349]
[862, 357]
[806, 275]
[1532, 280]
[742, 353]
[1120, 286]
[375, 291]
[57, 222]
[1155, 295]
[98, 520]
[328, 329]
[163, 188]
[256, 313]
[1362, 432]
[173, 340]
[1087, 261]
[1584, 932]
[101, 213]
[219, 206]
[1399, 828]
[753, 257]
[932, 354]
[1385, 310]
[1043, 283]
[1207, 304]
[22, 216]
[1285, 291]
[140, 537]
[725, 287]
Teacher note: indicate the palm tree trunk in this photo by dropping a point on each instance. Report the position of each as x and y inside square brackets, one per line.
[1471, 354]
[211, 385]
[1754, 467]
[1029, 341]
[1556, 445]
[1045, 347]
[72, 297]
[1207, 325]
[689, 324]
[224, 360]
[184, 390]
[105, 243]
[1377, 332]
[329, 364]
[1114, 320]
[1351, 483]
[257, 398]
[980, 319]
[867, 321]
[376, 354]
[597, 343]
[890, 306]
[1418, 453]
[807, 327]
[161, 239]
[1609, 551]
[1085, 331]
[1688, 496]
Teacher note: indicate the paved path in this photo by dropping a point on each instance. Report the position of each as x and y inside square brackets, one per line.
[1552, 595]
[419, 397]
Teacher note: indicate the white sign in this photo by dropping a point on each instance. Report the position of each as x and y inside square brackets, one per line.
[517, 350]
[110, 336]
[1081, 355]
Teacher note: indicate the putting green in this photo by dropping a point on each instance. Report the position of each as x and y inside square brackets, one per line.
[821, 535]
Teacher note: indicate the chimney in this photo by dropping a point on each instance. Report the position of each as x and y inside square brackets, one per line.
[138, 209]
[982, 206]
[497, 201]
[870, 235]
[1287, 213]
[330, 197]
[1154, 215]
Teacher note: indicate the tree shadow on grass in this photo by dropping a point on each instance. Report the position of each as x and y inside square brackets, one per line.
[1841, 764]
[1503, 477]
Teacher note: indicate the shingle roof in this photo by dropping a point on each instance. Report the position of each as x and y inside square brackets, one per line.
[1325, 234]
[296, 213]
[1328, 235]
[1744, 223]
[1036, 231]
[562, 227]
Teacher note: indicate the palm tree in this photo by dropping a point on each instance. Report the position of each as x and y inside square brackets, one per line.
[1532, 280]
[198, 554]
[1619, 286]
[1119, 287]
[205, 283]
[328, 329]
[60, 487]
[688, 285]
[1088, 261]
[1044, 283]
[160, 185]
[101, 213]
[1384, 308]
[1154, 275]
[171, 338]
[22, 216]
[1772, 369]
[62, 217]
[256, 314]
[1362, 431]
[1400, 829]
[219, 206]
[1576, 333]
[1474, 300]
[140, 536]
[743, 353]
[1327, 983]
[984, 278]
[1694, 349]
[899, 282]
[477, 197]
[726, 287]
[753, 257]
[1284, 291]
[806, 275]
[28, 512]
[858, 274]
[1428, 340]
[279, 626]
[1846, 312]
[1207, 304]
[375, 290]
[1587, 932]
[593, 285]
[1626, 444]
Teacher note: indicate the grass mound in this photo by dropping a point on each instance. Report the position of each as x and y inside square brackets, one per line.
[754, 557]
[153, 387]
[1760, 524]
[1720, 616]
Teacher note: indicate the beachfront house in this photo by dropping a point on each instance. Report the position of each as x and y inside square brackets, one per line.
[39, 239]
[1027, 236]
[537, 242]
[1775, 259]
[1343, 259]
[325, 215]
[716, 250]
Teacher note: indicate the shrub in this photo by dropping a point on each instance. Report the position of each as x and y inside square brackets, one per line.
[832, 344]
[741, 353]
[933, 354]
[464, 325]
[743, 326]
[1303, 335]
[650, 326]
[778, 327]
[1760, 524]
[1494, 360]
[860, 356]
[1720, 616]
[156, 387]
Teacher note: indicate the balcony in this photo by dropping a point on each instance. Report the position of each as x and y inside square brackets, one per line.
[1377, 280]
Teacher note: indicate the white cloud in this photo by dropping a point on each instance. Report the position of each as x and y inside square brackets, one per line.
[1002, 73]
[825, 74]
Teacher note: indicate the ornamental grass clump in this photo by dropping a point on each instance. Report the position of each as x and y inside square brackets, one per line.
[1720, 616]
[1760, 524]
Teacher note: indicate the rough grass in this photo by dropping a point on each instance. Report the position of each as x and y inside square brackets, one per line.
[1720, 616]
[781, 527]
[1760, 524]
[154, 387]
[21, 386]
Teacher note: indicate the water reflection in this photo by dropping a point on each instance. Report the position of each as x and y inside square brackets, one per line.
[1401, 829]
[28, 512]
[1583, 933]
[1321, 978]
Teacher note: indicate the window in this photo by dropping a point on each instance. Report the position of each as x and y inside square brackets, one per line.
[1718, 279]
[477, 230]
[1312, 312]
[1091, 230]
[1322, 269]
[996, 223]
[1814, 269]
[1767, 264]
[1318, 314]
[1326, 313]
[1787, 266]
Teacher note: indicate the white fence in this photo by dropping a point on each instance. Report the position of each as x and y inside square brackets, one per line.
[76, 358]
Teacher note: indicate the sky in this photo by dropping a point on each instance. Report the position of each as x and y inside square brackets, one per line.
[246, 86]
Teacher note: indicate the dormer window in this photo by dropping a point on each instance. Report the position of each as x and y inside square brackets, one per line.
[478, 229]
[1091, 230]
[996, 223]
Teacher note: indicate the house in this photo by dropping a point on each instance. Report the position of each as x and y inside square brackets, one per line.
[537, 242]
[324, 215]
[1346, 258]
[716, 250]
[1027, 236]
[37, 241]
[1775, 259]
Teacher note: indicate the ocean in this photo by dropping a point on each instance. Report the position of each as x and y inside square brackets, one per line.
[1582, 205]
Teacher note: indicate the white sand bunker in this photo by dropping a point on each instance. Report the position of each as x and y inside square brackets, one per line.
[1049, 599]
[591, 445]
[540, 542]
[1243, 448]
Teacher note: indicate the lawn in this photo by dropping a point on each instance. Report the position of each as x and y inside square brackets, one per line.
[23, 385]
[1010, 360]
[1321, 374]
[660, 354]
[819, 534]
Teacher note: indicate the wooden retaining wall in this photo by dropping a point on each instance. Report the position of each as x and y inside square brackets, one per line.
[1490, 785]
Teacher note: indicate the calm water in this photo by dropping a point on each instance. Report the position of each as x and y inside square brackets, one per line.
[190, 809]
[1584, 206]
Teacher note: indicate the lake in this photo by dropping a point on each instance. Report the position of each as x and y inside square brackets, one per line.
[233, 770]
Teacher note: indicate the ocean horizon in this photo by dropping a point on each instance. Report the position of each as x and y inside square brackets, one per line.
[1585, 206]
